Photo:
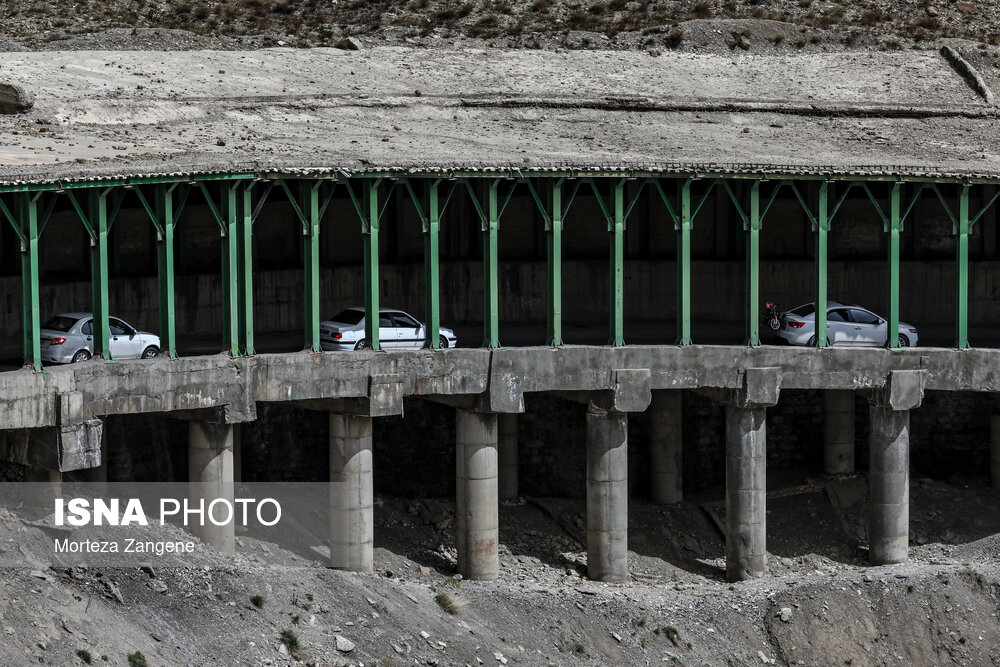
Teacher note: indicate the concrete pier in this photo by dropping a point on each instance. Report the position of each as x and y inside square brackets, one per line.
[889, 485]
[352, 499]
[210, 475]
[995, 447]
[607, 495]
[507, 442]
[666, 447]
[746, 492]
[477, 533]
[838, 432]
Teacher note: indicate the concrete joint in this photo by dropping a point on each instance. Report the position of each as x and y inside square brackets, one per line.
[758, 388]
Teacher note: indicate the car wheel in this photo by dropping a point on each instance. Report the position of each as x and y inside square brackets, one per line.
[361, 345]
[443, 343]
[812, 342]
[150, 352]
[82, 355]
[904, 341]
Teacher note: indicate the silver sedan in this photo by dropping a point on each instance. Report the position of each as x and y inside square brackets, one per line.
[69, 337]
[396, 330]
[846, 325]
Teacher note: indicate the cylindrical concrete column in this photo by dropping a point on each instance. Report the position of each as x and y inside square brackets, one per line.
[238, 453]
[352, 496]
[477, 530]
[889, 486]
[210, 475]
[746, 493]
[607, 495]
[507, 442]
[995, 447]
[666, 451]
[838, 432]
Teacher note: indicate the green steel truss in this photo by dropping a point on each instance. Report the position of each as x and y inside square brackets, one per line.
[236, 200]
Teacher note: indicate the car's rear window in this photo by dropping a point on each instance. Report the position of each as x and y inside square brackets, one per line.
[803, 311]
[349, 316]
[59, 323]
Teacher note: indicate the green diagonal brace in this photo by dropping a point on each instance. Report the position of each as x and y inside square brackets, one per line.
[752, 226]
[683, 226]
[962, 251]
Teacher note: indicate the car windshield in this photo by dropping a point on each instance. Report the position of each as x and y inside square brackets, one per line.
[60, 323]
[349, 316]
[803, 311]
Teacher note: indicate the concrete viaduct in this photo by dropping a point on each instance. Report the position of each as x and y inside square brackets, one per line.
[310, 141]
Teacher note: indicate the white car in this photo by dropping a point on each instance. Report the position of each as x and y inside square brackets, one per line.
[69, 338]
[396, 330]
[845, 326]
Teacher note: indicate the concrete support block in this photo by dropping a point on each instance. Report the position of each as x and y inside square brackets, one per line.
[352, 499]
[210, 476]
[995, 447]
[889, 485]
[507, 443]
[477, 531]
[666, 447]
[746, 493]
[838, 432]
[607, 495]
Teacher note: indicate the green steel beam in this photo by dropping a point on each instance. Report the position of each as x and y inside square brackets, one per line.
[369, 229]
[310, 260]
[29, 280]
[99, 272]
[683, 227]
[164, 217]
[245, 296]
[962, 304]
[617, 230]
[229, 219]
[432, 282]
[553, 246]
[752, 227]
[491, 269]
[821, 227]
[894, 227]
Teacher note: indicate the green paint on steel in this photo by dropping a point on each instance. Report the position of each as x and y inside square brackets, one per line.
[432, 280]
[962, 296]
[553, 249]
[894, 227]
[229, 217]
[617, 231]
[245, 296]
[165, 220]
[683, 226]
[99, 273]
[752, 227]
[821, 228]
[29, 281]
[310, 260]
[369, 229]
[491, 269]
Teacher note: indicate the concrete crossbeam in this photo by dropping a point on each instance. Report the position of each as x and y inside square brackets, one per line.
[477, 512]
[352, 500]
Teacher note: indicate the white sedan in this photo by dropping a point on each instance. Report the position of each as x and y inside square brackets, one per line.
[396, 330]
[845, 325]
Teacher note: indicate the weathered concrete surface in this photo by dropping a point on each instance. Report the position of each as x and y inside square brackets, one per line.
[889, 485]
[838, 432]
[352, 496]
[477, 507]
[327, 109]
[210, 477]
[61, 448]
[607, 495]
[746, 492]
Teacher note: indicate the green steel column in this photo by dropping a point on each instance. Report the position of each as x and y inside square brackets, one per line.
[822, 228]
[165, 269]
[230, 271]
[554, 264]
[245, 298]
[29, 280]
[895, 226]
[99, 273]
[753, 268]
[370, 232]
[617, 333]
[432, 287]
[491, 272]
[962, 314]
[684, 267]
[310, 258]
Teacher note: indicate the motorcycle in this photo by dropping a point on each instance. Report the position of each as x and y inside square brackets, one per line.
[771, 315]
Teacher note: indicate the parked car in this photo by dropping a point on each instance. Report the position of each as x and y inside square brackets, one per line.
[845, 325]
[396, 330]
[69, 338]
